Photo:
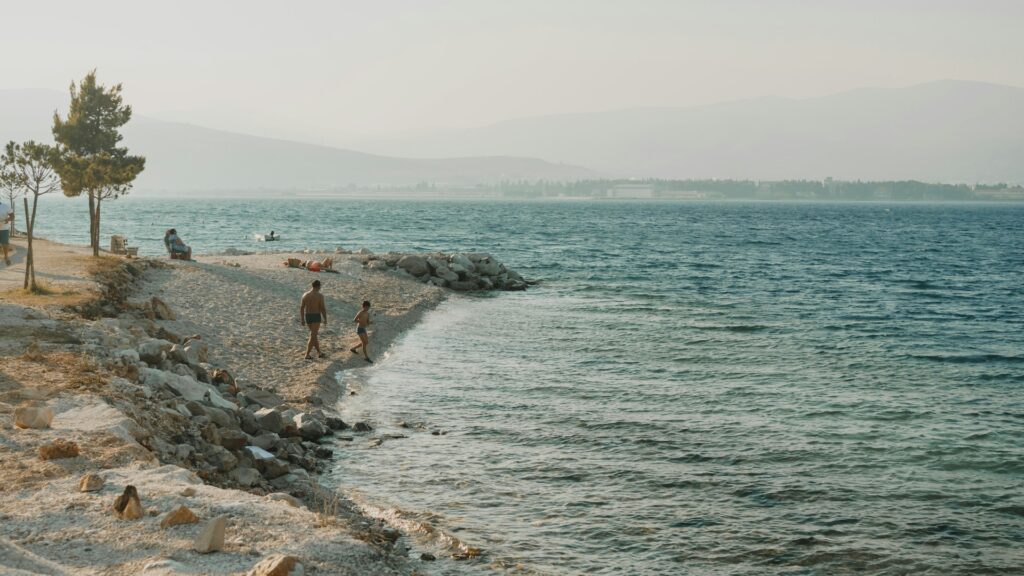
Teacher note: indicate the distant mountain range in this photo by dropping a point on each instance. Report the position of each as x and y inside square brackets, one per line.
[944, 131]
[183, 157]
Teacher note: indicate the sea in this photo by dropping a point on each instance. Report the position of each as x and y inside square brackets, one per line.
[692, 387]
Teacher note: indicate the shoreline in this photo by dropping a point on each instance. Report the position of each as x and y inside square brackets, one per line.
[229, 338]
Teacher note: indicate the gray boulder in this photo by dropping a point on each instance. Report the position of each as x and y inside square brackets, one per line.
[269, 420]
[415, 265]
[309, 427]
[233, 439]
[263, 398]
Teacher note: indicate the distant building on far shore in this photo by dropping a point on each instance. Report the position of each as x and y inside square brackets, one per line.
[631, 191]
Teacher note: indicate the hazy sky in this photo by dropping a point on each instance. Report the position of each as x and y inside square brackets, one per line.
[327, 70]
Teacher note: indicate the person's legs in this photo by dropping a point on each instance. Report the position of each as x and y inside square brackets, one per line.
[313, 342]
[365, 345]
[5, 237]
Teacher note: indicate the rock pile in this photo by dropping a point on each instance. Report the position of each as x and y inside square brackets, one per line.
[199, 418]
[461, 272]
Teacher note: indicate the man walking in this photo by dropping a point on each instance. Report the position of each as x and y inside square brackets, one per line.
[362, 320]
[313, 313]
[6, 217]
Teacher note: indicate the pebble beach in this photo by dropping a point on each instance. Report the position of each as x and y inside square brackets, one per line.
[112, 381]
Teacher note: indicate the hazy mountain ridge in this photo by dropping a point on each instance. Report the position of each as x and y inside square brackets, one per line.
[949, 131]
[187, 157]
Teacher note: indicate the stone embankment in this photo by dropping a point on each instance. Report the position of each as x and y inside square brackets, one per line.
[463, 272]
[163, 393]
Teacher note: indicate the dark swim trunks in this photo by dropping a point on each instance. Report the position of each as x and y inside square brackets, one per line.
[361, 330]
[312, 318]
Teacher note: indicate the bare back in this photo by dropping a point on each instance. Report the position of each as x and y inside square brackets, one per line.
[313, 302]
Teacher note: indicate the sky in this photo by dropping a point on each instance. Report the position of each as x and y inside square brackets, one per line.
[331, 72]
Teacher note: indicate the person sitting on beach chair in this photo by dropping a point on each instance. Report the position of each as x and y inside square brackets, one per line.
[176, 248]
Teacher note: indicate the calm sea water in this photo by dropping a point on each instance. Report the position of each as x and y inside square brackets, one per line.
[695, 388]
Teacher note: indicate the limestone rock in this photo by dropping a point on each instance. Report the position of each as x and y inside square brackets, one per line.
[198, 350]
[377, 265]
[180, 515]
[463, 262]
[273, 468]
[286, 498]
[264, 398]
[211, 537]
[267, 441]
[277, 565]
[335, 423]
[463, 285]
[269, 420]
[57, 449]
[33, 417]
[488, 267]
[309, 427]
[161, 310]
[128, 506]
[233, 439]
[415, 265]
[245, 476]
[91, 483]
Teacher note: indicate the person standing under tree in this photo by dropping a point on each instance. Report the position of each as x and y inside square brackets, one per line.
[362, 320]
[6, 217]
[313, 313]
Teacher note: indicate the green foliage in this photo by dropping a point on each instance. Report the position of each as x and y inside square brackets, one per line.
[28, 167]
[89, 158]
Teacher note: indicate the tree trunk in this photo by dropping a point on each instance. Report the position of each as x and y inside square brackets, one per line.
[31, 224]
[28, 251]
[96, 240]
[93, 238]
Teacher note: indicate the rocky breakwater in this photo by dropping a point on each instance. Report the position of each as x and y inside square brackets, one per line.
[194, 415]
[463, 272]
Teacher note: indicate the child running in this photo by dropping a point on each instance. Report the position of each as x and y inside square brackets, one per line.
[362, 320]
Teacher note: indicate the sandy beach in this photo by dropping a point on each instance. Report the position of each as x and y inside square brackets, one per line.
[140, 424]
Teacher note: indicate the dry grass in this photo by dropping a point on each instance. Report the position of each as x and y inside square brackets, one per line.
[44, 296]
[326, 505]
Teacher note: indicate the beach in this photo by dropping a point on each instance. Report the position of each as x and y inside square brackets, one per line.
[75, 352]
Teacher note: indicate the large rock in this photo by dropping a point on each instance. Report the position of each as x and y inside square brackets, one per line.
[272, 468]
[487, 266]
[151, 352]
[463, 262]
[219, 457]
[161, 310]
[233, 439]
[246, 476]
[186, 387]
[335, 423]
[267, 441]
[58, 449]
[127, 506]
[199, 349]
[247, 420]
[464, 285]
[211, 537]
[178, 516]
[415, 265]
[33, 417]
[269, 420]
[277, 565]
[309, 427]
[91, 483]
[220, 417]
[263, 398]
[446, 274]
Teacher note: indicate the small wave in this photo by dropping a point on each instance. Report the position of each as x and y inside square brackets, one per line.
[969, 358]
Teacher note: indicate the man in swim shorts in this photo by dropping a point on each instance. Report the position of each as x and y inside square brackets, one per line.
[313, 313]
[6, 216]
[362, 320]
